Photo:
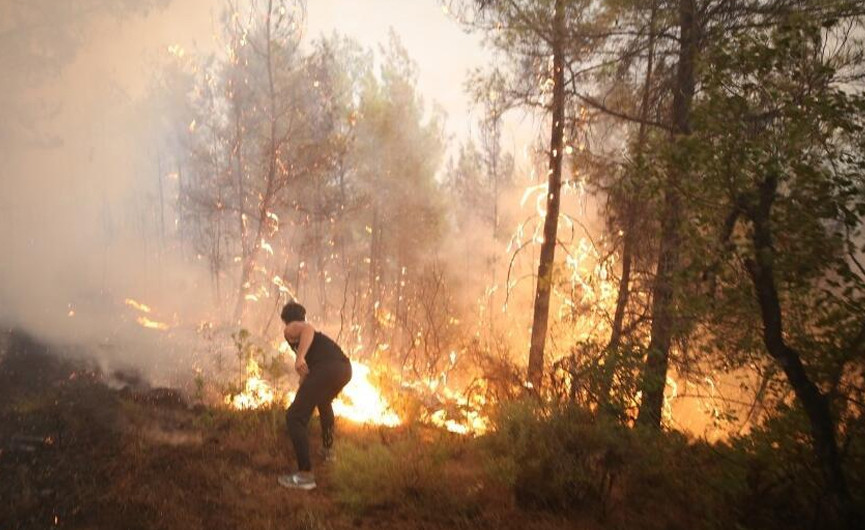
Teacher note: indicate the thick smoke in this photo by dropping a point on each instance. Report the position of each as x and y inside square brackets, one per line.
[81, 221]
[89, 184]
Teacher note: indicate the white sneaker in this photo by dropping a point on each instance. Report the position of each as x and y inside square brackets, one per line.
[299, 480]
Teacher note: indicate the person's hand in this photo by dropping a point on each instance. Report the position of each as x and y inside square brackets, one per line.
[301, 367]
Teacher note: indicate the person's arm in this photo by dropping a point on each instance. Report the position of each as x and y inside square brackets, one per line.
[305, 333]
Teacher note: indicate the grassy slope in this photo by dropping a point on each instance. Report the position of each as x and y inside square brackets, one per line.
[143, 459]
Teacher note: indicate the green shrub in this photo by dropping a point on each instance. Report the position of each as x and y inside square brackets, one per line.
[556, 460]
[785, 488]
[562, 459]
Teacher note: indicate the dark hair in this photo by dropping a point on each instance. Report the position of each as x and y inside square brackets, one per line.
[293, 312]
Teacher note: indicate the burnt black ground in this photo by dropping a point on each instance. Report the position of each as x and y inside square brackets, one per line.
[54, 414]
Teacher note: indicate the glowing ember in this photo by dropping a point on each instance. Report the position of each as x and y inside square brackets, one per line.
[266, 246]
[137, 305]
[177, 51]
[152, 324]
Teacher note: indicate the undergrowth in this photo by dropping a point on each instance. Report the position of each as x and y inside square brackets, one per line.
[406, 472]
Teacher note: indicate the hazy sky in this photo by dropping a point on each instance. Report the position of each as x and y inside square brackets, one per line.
[126, 54]
[443, 52]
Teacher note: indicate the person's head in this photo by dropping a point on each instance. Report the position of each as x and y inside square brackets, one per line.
[293, 312]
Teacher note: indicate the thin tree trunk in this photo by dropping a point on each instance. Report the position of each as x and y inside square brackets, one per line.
[664, 292]
[241, 210]
[373, 280]
[813, 401]
[161, 204]
[180, 213]
[548, 246]
[495, 133]
[216, 248]
[321, 248]
[612, 354]
[252, 248]
[623, 296]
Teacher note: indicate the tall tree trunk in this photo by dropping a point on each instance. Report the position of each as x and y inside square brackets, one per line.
[161, 204]
[623, 296]
[612, 354]
[216, 248]
[813, 401]
[179, 204]
[241, 209]
[551, 222]
[664, 291]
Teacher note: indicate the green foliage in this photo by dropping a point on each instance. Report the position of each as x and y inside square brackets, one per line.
[785, 487]
[245, 350]
[598, 378]
[783, 476]
[553, 460]
[563, 460]
[265, 424]
[775, 106]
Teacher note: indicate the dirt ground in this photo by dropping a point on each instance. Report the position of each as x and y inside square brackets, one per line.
[78, 453]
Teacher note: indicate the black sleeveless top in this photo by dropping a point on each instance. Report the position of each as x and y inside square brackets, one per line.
[323, 349]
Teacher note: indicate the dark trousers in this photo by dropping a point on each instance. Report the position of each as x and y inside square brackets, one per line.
[318, 389]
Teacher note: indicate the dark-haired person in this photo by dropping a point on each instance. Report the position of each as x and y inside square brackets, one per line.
[324, 370]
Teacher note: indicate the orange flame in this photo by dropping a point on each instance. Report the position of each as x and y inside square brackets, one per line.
[359, 402]
[256, 393]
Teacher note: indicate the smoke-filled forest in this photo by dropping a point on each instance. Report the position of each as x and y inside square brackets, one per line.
[327, 264]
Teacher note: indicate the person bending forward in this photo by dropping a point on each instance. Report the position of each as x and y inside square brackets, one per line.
[324, 370]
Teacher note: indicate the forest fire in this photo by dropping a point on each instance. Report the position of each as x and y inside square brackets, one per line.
[360, 401]
[620, 243]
